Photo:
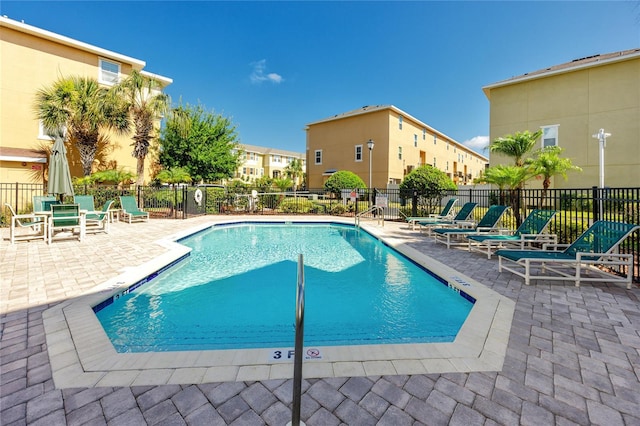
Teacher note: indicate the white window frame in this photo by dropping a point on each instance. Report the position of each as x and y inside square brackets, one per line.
[102, 73]
[549, 133]
[358, 153]
[424, 134]
[317, 157]
[415, 140]
[400, 122]
[435, 140]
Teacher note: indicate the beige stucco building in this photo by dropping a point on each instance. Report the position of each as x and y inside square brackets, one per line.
[570, 103]
[401, 143]
[32, 59]
[260, 161]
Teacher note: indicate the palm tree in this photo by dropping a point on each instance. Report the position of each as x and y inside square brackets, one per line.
[174, 175]
[293, 171]
[516, 145]
[85, 109]
[547, 163]
[146, 104]
[512, 177]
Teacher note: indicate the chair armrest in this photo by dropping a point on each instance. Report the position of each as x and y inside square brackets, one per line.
[554, 247]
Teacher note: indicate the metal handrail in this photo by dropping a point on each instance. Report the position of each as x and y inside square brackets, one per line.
[297, 358]
[373, 209]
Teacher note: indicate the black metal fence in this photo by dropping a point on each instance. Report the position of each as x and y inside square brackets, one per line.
[576, 209]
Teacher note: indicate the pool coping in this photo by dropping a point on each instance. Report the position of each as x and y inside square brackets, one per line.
[81, 354]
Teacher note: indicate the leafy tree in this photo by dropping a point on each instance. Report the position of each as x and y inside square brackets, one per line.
[203, 143]
[430, 182]
[546, 162]
[146, 103]
[173, 176]
[293, 171]
[85, 109]
[516, 145]
[343, 179]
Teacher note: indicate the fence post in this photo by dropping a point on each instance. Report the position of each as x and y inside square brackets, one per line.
[596, 203]
[414, 203]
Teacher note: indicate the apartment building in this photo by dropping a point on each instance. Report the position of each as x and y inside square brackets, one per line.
[401, 143]
[261, 161]
[32, 59]
[571, 102]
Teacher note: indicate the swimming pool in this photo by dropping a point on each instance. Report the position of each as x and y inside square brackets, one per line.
[237, 290]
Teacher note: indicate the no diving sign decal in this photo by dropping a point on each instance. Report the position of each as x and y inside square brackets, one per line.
[287, 354]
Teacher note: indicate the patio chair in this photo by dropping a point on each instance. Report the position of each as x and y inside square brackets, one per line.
[488, 223]
[528, 234]
[445, 214]
[99, 221]
[41, 203]
[85, 202]
[461, 218]
[591, 257]
[130, 209]
[66, 217]
[35, 223]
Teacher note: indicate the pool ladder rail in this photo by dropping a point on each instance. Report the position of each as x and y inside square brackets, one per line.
[299, 347]
[375, 212]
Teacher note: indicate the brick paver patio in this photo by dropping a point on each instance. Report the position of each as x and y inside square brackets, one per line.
[573, 354]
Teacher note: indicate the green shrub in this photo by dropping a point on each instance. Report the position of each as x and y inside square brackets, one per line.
[338, 209]
[297, 205]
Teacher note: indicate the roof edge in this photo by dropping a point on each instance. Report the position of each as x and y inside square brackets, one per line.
[48, 35]
[548, 72]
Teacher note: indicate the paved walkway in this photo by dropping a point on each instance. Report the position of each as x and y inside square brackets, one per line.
[573, 355]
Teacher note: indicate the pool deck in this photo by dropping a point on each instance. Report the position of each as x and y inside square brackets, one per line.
[572, 354]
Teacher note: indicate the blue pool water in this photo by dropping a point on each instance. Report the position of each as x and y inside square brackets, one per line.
[237, 290]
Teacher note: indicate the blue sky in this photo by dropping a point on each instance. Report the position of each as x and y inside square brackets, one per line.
[273, 67]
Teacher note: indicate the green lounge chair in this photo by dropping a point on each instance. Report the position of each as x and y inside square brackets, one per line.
[455, 236]
[42, 203]
[33, 222]
[85, 202]
[590, 257]
[66, 217]
[462, 217]
[130, 209]
[99, 221]
[528, 233]
[445, 214]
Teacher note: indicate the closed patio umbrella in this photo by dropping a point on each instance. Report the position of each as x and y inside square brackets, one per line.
[59, 175]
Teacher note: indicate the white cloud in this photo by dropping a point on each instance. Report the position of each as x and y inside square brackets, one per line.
[477, 143]
[258, 75]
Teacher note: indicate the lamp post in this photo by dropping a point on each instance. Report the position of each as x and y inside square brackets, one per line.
[602, 138]
[370, 145]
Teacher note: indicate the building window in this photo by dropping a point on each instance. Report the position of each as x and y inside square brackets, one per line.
[358, 152]
[424, 134]
[318, 156]
[435, 140]
[276, 174]
[244, 170]
[400, 122]
[109, 72]
[434, 161]
[550, 135]
[399, 153]
[447, 166]
[277, 159]
[415, 140]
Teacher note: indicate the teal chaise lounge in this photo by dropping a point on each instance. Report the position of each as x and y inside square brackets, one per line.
[530, 232]
[591, 257]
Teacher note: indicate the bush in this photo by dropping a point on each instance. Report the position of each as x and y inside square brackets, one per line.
[343, 179]
[338, 209]
[297, 205]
